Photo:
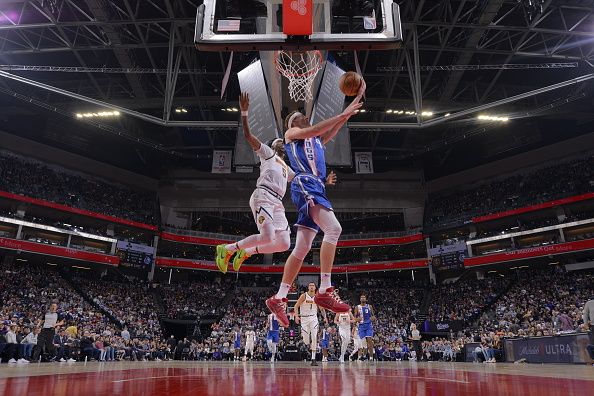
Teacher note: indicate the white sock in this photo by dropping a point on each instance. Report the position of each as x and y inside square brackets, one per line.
[283, 290]
[313, 355]
[325, 282]
[251, 251]
[232, 247]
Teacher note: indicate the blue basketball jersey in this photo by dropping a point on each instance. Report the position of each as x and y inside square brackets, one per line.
[307, 156]
[274, 326]
[365, 313]
[237, 337]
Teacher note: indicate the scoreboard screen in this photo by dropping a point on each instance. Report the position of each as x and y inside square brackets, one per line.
[134, 255]
[448, 257]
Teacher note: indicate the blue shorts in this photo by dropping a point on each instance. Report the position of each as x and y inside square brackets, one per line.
[324, 344]
[237, 344]
[307, 191]
[365, 330]
[273, 336]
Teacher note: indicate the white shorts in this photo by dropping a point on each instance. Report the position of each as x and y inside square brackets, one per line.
[249, 347]
[345, 335]
[266, 207]
[309, 331]
[359, 343]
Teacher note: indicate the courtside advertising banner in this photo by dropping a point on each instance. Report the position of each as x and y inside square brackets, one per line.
[221, 161]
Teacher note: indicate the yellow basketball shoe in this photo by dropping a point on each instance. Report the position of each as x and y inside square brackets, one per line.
[222, 258]
[240, 257]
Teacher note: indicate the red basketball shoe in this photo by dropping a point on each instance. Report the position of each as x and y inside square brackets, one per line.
[331, 301]
[278, 306]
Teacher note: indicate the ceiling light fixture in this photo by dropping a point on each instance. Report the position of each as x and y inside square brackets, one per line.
[492, 118]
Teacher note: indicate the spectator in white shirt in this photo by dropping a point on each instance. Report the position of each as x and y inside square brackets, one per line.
[29, 342]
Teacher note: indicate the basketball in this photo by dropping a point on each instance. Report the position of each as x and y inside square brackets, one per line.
[349, 83]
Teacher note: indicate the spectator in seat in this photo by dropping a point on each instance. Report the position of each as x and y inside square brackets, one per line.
[87, 346]
[11, 347]
[28, 342]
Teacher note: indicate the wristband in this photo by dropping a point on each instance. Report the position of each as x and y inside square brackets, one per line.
[244, 113]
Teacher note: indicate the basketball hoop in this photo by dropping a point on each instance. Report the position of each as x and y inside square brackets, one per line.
[300, 68]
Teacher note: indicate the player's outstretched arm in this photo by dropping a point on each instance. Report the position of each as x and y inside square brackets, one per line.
[244, 104]
[351, 109]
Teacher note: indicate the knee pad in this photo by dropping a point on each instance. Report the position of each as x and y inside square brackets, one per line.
[332, 234]
[305, 238]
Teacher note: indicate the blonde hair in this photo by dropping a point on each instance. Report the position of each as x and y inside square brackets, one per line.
[288, 118]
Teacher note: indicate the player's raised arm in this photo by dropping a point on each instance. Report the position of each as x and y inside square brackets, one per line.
[244, 104]
[351, 109]
[299, 128]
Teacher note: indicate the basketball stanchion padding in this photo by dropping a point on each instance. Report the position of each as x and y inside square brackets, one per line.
[298, 17]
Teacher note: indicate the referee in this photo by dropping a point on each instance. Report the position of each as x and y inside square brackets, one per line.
[45, 341]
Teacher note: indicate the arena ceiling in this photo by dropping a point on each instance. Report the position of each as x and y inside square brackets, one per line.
[468, 53]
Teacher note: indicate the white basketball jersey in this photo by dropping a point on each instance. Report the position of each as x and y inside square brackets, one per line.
[309, 307]
[250, 337]
[344, 320]
[274, 173]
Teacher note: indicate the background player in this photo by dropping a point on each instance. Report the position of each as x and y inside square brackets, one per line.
[250, 342]
[273, 335]
[365, 317]
[305, 149]
[358, 344]
[325, 343]
[344, 320]
[237, 344]
[265, 202]
[306, 313]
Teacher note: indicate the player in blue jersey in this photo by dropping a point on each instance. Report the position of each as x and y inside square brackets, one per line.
[365, 317]
[304, 146]
[236, 343]
[325, 343]
[273, 335]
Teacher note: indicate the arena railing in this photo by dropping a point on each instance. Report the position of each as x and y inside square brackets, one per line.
[213, 235]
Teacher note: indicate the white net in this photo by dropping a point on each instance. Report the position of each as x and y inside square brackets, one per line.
[300, 68]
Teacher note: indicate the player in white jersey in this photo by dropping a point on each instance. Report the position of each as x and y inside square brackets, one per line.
[344, 320]
[306, 313]
[266, 201]
[358, 344]
[250, 341]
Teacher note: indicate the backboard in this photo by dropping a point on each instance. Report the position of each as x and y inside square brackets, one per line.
[258, 25]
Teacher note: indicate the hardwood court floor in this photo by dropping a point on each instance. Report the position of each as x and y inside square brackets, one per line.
[293, 378]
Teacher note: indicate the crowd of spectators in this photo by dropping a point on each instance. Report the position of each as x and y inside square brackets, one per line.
[537, 186]
[464, 300]
[130, 303]
[195, 298]
[37, 180]
[531, 302]
[541, 302]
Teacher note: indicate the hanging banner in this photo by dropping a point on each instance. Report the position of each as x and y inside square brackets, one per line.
[261, 117]
[221, 161]
[330, 102]
[364, 162]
